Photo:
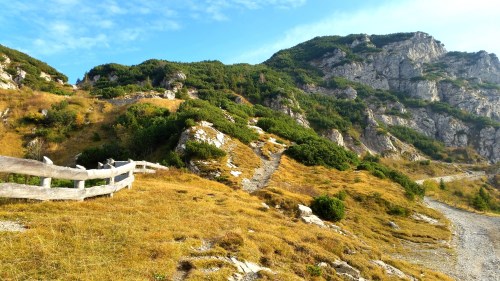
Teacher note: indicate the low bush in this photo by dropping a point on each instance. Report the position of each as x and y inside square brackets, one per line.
[328, 208]
[202, 151]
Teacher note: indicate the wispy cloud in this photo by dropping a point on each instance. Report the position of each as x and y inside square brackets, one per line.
[68, 25]
[460, 24]
[217, 9]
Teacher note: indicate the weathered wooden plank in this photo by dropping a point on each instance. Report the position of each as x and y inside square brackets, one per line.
[151, 165]
[13, 190]
[35, 168]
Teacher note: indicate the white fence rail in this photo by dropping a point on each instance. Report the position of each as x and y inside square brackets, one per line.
[117, 174]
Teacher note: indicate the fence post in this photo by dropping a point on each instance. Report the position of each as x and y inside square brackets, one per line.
[45, 182]
[79, 184]
[110, 180]
[130, 174]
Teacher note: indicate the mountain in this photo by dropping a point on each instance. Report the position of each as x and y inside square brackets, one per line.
[452, 97]
[377, 93]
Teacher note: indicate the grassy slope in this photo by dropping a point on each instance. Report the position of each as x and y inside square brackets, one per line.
[459, 193]
[144, 232]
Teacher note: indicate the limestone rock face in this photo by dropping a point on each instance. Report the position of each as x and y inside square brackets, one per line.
[419, 67]
[289, 107]
[408, 65]
[335, 136]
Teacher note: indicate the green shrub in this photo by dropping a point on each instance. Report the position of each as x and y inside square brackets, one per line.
[202, 151]
[328, 208]
[397, 210]
[322, 152]
[341, 195]
[314, 270]
[91, 156]
[411, 188]
[173, 159]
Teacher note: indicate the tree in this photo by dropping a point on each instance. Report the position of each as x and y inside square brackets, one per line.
[442, 186]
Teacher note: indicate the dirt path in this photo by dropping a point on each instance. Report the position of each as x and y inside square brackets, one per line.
[477, 241]
[469, 176]
[262, 174]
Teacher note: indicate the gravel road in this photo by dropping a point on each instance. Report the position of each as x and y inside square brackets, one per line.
[477, 241]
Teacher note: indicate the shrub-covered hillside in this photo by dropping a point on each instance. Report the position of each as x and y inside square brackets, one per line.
[32, 73]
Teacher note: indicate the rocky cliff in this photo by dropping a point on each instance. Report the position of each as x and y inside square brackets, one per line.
[420, 67]
[414, 67]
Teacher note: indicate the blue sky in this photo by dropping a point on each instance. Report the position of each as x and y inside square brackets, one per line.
[76, 35]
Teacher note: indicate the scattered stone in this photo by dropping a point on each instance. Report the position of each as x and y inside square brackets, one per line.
[343, 269]
[322, 264]
[257, 129]
[424, 218]
[393, 225]
[169, 95]
[45, 76]
[265, 206]
[391, 270]
[235, 173]
[312, 219]
[304, 210]
[11, 226]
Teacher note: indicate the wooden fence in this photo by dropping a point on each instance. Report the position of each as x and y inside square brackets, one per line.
[117, 174]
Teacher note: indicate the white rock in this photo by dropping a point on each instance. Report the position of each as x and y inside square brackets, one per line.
[312, 219]
[391, 270]
[235, 173]
[45, 76]
[304, 210]
[424, 218]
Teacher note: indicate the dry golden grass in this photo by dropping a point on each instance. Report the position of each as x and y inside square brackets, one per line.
[459, 193]
[20, 103]
[368, 202]
[146, 231]
[171, 105]
[100, 115]
[418, 170]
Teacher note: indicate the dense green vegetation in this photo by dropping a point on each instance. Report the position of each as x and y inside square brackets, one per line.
[411, 188]
[254, 82]
[309, 149]
[34, 68]
[483, 201]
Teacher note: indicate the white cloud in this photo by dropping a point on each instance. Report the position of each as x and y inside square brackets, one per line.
[461, 25]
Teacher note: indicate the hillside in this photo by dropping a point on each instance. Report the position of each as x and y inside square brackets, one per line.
[20, 70]
[353, 119]
[178, 222]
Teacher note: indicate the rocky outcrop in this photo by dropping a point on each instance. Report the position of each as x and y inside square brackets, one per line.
[6, 79]
[12, 74]
[287, 106]
[203, 132]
